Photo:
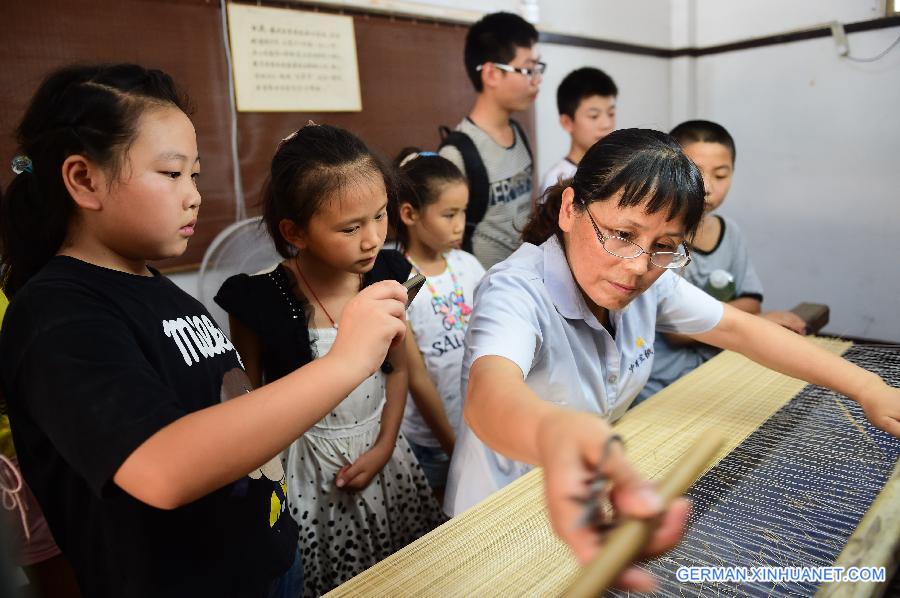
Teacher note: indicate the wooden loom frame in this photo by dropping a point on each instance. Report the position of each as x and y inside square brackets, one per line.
[504, 545]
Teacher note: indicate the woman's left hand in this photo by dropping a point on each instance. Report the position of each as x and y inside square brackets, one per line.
[357, 475]
[882, 406]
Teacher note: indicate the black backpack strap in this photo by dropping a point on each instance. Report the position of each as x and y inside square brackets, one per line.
[444, 132]
[476, 173]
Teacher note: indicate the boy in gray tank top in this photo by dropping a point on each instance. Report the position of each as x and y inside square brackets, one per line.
[503, 64]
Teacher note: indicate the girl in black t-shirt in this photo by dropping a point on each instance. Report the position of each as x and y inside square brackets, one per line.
[152, 481]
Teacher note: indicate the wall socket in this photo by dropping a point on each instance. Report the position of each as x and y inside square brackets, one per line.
[840, 38]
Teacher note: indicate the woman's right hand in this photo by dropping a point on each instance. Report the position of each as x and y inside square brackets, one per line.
[370, 324]
[571, 447]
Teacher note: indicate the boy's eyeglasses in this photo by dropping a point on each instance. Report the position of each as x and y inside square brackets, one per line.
[627, 250]
[531, 73]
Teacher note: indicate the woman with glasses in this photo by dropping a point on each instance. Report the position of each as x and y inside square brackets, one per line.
[562, 333]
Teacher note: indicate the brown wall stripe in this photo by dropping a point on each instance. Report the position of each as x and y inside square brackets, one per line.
[759, 42]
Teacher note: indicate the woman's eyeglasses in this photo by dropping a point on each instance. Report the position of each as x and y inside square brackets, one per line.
[628, 250]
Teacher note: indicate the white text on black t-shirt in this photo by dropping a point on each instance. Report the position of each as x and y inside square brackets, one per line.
[197, 336]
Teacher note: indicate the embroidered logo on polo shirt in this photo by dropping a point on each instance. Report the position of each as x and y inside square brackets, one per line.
[642, 356]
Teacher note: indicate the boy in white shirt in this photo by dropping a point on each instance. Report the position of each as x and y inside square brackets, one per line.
[586, 100]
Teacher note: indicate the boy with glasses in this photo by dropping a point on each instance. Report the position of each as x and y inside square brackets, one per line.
[488, 146]
[586, 100]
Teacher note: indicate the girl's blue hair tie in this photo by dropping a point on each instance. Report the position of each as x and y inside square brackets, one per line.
[410, 157]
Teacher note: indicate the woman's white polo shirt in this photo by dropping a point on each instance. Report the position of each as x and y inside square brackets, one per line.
[529, 310]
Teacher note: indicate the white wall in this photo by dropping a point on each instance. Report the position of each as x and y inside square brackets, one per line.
[817, 185]
[644, 22]
[187, 281]
[643, 83]
[682, 71]
[724, 21]
[457, 10]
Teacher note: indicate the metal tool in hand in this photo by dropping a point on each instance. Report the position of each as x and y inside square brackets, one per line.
[598, 509]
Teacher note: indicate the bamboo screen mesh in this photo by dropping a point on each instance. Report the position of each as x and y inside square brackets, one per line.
[792, 493]
[504, 546]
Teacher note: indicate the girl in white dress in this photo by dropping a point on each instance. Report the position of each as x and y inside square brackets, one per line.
[432, 209]
[354, 486]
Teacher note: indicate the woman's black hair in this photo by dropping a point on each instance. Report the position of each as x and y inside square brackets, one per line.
[422, 178]
[90, 110]
[706, 131]
[648, 168]
[308, 167]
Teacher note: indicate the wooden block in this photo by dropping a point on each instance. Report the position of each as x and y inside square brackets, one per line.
[814, 314]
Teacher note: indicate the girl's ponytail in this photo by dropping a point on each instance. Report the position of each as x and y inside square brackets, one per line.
[32, 228]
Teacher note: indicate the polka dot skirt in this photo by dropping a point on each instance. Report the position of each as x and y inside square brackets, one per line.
[344, 532]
